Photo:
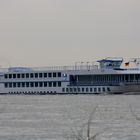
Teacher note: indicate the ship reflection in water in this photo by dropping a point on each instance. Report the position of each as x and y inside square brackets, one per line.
[60, 117]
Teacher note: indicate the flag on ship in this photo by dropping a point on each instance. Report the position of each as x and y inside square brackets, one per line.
[127, 64]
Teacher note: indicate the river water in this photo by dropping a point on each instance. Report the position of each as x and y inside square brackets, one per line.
[66, 117]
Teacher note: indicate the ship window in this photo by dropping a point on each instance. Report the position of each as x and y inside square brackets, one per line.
[5, 76]
[50, 74]
[78, 89]
[32, 84]
[67, 90]
[31, 75]
[23, 75]
[131, 77]
[54, 74]
[27, 84]
[71, 90]
[126, 77]
[10, 85]
[59, 84]
[40, 84]
[50, 84]
[137, 77]
[74, 90]
[14, 85]
[108, 89]
[83, 89]
[6, 85]
[99, 89]
[27, 75]
[63, 89]
[10, 76]
[40, 75]
[86, 89]
[54, 84]
[103, 89]
[59, 74]
[45, 75]
[90, 89]
[14, 76]
[36, 84]
[18, 75]
[18, 85]
[36, 75]
[23, 84]
[45, 84]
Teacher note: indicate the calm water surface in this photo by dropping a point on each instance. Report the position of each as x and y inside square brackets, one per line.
[64, 117]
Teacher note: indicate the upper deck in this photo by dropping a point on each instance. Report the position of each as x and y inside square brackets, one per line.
[107, 65]
[52, 68]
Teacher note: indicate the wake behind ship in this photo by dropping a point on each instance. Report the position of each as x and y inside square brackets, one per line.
[108, 77]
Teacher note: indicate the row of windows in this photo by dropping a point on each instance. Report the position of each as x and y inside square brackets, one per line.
[32, 75]
[34, 92]
[74, 90]
[110, 79]
[32, 84]
[67, 90]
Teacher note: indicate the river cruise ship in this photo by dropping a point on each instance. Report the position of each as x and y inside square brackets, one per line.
[110, 76]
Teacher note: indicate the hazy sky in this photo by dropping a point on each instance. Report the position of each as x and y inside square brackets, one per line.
[61, 32]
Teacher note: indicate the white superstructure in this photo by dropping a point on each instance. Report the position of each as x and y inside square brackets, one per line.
[108, 77]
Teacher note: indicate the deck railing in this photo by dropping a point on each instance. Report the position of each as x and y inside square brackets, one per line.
[52, 68]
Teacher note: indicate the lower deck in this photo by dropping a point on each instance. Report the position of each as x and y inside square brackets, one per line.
[74, 90]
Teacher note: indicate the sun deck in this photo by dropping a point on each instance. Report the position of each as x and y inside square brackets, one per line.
[51, 68]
